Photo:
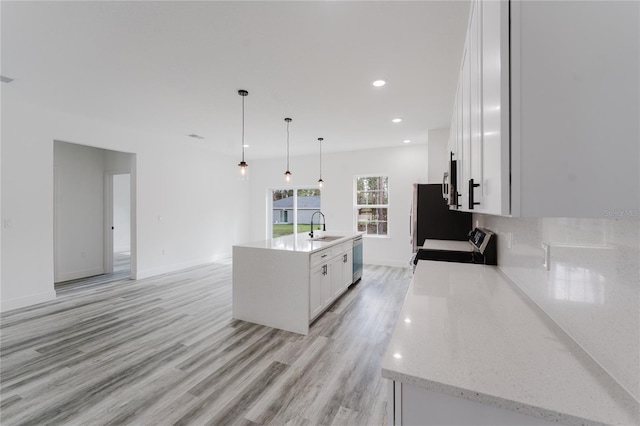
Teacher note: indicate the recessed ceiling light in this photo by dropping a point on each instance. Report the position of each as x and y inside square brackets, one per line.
[379, 83]
[397, 120]
[397, 355]
[407, 141]
[245, 145]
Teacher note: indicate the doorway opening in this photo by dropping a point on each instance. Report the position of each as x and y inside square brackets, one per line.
[118, 240]
[94, 216]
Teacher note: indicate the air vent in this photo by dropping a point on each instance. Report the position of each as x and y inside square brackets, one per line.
[5, 79]
[193, 135]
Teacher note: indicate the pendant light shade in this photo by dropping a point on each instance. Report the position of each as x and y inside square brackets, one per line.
[242, 164]
[287, 174]
[320, 181]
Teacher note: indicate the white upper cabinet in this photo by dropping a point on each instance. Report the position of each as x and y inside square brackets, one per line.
[547, 109]
[474, 197]
[464, 160]
[494, 186]
[575, 92]
[482, 150]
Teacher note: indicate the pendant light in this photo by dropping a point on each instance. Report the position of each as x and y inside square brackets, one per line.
[242, 164]
[287, 174]
[320, 181]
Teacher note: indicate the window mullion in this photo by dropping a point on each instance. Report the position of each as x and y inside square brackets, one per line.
[295, 211]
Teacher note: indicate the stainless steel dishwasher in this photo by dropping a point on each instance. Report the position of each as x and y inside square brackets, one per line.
[357, 259]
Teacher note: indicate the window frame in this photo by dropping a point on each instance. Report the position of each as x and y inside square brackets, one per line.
[294, 212]
[357, 207]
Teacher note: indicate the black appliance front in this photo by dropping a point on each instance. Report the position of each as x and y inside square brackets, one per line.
[435, 221]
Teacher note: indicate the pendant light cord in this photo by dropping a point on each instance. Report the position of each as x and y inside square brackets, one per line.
[243, 128]
[288, 121]
[320, 139]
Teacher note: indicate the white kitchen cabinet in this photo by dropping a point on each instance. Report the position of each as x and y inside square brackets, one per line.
[341, 272]
[494, 183]
[575, 107]
[552, 128]
[347, 268]
[481, 184]
[337, 284]
[464, 162]
[317, 281]
[287, 282]
[455, 150]
[413, 405]
[474, 43]
[330, 275]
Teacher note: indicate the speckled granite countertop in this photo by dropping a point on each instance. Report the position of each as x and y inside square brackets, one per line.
[466, 330]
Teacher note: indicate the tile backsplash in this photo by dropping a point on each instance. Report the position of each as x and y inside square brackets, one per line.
[590, 287]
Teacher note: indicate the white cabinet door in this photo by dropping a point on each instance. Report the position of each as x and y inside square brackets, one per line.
[458, 148]
[474, 46]
[482, 116]
[347, 269]
[420, 406]
[318, 279]
[325, 285]
[337, 284]
[575, 109]
[494, 33]
[465, 114]
[455, 150]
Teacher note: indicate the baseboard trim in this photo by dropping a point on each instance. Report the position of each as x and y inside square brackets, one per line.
[21, 302]
[387, 262]
[165, 269]
[80, 274]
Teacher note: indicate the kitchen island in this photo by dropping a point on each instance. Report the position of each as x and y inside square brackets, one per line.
[470, 348]
[287, 282]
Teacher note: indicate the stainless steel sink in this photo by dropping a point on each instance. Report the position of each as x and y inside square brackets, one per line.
[326, 238]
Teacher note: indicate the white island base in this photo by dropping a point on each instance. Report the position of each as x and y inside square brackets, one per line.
[287, 282]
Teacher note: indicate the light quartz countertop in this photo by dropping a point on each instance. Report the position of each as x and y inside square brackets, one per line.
[466, 330]
[301, 242]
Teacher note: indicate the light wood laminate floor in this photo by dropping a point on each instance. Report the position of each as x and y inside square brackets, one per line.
[121, 271]
[165, 350]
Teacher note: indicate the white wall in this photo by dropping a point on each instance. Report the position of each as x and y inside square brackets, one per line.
[79, 211]
[121, 213]
[438, 154]
[403, 165]
[118, 162]
[187, 206]
[592, 289]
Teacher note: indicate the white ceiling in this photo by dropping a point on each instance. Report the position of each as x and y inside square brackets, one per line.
[175, 68]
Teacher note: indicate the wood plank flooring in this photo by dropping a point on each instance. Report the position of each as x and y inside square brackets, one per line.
[121, 271]
[165, 351]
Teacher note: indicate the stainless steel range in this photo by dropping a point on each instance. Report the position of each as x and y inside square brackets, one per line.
[479, 248]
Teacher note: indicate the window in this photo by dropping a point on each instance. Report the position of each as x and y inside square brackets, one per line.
[292, 210]
[372, 204]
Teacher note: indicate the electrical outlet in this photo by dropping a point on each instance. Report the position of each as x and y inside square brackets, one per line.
[163, 252]
[547, 257]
